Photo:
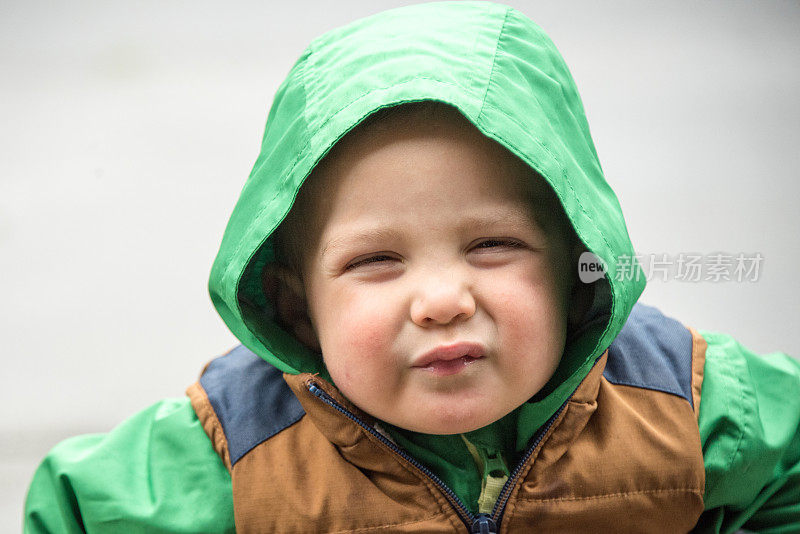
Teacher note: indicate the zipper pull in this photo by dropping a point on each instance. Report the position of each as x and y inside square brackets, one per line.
[483, 524]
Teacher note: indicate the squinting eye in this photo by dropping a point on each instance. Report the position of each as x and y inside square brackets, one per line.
[492, 243]
[369, 260]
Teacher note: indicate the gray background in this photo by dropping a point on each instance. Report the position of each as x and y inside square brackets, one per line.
[128, 130]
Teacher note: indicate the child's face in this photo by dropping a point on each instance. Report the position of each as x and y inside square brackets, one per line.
[439, 303]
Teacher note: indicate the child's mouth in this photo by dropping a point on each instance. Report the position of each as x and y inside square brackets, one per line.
[450, 359]
[449, 367]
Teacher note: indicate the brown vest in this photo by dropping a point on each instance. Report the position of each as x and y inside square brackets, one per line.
[622, 455]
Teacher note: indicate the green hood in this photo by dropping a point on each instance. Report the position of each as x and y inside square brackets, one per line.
[505, 76]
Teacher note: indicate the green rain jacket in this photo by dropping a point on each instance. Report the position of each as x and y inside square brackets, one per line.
[158, 472]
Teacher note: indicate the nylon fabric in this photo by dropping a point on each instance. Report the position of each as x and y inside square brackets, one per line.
[257, 409]
[751, 438]
[155, 473]
[665, 341]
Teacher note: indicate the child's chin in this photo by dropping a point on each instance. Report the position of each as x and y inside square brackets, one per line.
[449, 425]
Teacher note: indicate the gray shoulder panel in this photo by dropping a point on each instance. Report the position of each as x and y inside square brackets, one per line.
[251, 399]
[653, 352]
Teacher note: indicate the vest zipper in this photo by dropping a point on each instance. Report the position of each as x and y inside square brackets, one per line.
[505, 493]
[475, 523]
[463, 512]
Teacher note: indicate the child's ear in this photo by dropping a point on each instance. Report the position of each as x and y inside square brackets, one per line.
[284, 288]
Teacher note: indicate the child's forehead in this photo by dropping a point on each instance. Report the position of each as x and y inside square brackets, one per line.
[417, 130]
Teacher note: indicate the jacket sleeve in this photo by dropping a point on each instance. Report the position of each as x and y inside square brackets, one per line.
[156, 472]
[750, 431]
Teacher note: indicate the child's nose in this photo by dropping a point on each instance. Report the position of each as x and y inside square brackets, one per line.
[441, 300]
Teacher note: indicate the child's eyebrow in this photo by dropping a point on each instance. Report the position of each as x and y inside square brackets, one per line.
[500, 217]
[362, 236]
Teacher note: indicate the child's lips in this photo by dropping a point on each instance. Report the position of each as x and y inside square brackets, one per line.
[449, 367]
[450, 359]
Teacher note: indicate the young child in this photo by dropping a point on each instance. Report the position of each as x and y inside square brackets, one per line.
[419, 352]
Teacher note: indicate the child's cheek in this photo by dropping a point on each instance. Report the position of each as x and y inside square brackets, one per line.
[358, 346]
